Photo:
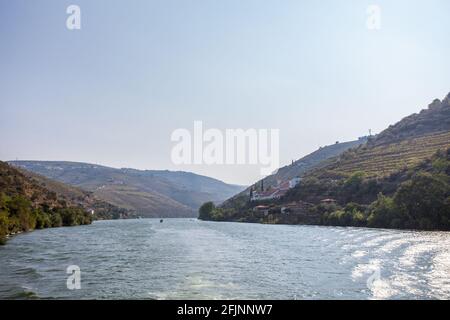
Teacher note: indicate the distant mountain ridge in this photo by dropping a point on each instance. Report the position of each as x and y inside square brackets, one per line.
[150, 193]
[75, 196]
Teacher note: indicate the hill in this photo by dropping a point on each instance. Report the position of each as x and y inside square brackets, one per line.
[25, 204]
[81, 198]
[403, 145]
[150, 193]
[296, 169]
[397, 179]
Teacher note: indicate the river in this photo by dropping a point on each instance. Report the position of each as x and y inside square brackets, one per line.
[192, 259]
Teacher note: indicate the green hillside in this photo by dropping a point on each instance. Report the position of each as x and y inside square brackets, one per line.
[381, 160]
[403, 145]
[25, 204]
[296, 169]
[398, 179]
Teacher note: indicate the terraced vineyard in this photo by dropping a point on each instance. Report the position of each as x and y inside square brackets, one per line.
[383, 160]
[401, 146]
[297, 168]
[397, 179]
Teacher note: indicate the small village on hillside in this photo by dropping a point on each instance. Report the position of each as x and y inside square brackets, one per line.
[271, 193]
[261, 194]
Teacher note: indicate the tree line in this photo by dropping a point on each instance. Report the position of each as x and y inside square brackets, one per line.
[17, 214]
[415, 198]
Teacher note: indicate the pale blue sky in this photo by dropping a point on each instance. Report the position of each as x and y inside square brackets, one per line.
[112, 92]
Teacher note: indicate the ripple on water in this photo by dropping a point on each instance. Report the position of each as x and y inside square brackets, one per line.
[190, 259]
[439, 276]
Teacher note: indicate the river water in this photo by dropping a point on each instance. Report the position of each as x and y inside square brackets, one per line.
[192, 259]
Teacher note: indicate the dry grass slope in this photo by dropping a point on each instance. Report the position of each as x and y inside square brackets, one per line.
[383, 160]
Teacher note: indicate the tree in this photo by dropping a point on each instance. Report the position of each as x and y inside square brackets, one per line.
[20, 208]
[424, 200]
[352, 186]
[382, 212]
[355, 179]
[42, 219]
[56, 219]
[206, 210]
[4, 223]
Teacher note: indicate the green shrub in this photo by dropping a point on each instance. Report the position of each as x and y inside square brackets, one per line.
[20, 208]
[205, 210]
[346, 217]
[3, 226]
[381, 212]
[423, 200]
[43, 219]
[56, 220]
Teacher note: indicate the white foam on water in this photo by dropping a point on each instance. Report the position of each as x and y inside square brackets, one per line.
[439, 277]
[413, 252]
[382, 289]
[354, 255]
[359, 253]
[394, 244]
[379, 286]
[355, 242]
[366, 269]
[406, 284]
[377, 240]
[409, 280]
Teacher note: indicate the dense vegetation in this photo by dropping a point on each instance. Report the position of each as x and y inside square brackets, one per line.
[26, 205]
[17, 214]
[421, 201]
[417, 198]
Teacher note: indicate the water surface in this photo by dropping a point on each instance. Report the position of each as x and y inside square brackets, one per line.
[191, 259]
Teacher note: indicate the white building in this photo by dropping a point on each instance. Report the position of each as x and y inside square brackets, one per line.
[277, 192]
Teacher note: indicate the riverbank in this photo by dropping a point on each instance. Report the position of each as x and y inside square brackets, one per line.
[293, 221]
[17, 215]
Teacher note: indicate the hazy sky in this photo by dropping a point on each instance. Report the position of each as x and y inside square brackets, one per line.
[113, 92]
